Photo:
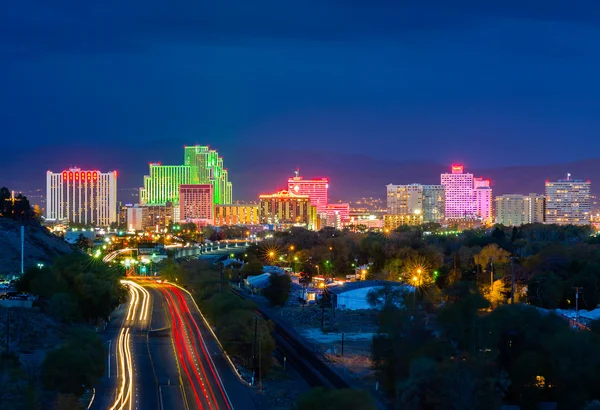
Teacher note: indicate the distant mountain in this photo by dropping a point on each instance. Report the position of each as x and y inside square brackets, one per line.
[356, 176]
[255, 170]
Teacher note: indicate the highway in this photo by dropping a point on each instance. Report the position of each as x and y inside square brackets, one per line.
[208, 377]
[162, 355]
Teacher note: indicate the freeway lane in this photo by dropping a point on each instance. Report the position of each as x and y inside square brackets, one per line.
[210, 381]
[202, 379]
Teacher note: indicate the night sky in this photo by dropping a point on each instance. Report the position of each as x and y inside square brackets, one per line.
[116, 84]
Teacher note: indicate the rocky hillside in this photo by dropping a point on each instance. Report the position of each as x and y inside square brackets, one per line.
[40, 245]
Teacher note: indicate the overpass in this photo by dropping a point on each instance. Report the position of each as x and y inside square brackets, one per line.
[212, 249]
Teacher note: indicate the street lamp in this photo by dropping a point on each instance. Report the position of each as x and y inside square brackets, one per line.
[40, 265]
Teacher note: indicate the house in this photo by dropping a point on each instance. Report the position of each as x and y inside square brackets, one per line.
[353, 295]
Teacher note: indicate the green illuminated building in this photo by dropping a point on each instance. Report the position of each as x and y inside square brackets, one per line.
[206, 167]
[201, 166]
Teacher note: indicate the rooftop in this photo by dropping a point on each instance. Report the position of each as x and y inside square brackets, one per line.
[348, 286]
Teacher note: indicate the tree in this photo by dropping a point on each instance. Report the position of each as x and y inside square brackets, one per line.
[252, 268]
[77, 365]
[278, 290]
[342, 399]
[497, 293]
[386, 295]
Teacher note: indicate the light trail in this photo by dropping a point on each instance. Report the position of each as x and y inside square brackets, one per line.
[194, 359]
[139, 298]
[199, 336]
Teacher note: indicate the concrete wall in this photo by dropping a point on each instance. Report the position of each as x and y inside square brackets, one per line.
[355, 299]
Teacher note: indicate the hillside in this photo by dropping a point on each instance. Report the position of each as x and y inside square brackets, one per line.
[40, 245]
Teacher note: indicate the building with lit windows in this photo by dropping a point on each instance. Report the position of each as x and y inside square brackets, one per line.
[287, 208]
[568, 201]
[81, 196]
[416, 199]
[201, 166]
[317, 190]
[482, 197]
[157, 217]
[434, 203]
[341, 210]
[515, 210]
[236, 214]
[206, 167]
[467, 197]
[162, 185]
[535, 208]
[459, 193]
[405, 199]
[392, 222]
[196, 204]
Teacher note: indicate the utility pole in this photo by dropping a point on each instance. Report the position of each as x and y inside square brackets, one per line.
[577, 290]
[7, 328]
[254, 347]
[221, 280]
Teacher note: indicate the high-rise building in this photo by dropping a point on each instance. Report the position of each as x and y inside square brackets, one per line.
[429, 201]
[206, 167]
[482, 197]
[157, 217]
[287, 208]
[405, 199]
[196, 204]
[162, 185]
[467, 197]
[434, 203]
[535, 208]
[459, 193]
[135, 218]
[81, 196]
[515, 210]
[201, 166]
[236, 214]
[568, 201]
[510, 210]
[316, 189]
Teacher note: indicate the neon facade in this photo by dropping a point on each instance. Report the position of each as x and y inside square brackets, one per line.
[82, 196]
[206, 167]
[201, 166]
[316, 189]
[162, 185]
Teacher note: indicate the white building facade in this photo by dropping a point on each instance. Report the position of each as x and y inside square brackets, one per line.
[82, 196]
[568, 202]
[515, 209]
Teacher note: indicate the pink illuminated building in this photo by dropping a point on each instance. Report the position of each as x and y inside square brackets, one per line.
[482, 197]
[341, 209]
[316, 189]
[467, 197]
[196, 203]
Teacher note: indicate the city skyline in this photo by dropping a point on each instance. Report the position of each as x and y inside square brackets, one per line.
[355, 80]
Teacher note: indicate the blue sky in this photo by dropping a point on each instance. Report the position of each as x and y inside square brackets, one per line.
[118, 84]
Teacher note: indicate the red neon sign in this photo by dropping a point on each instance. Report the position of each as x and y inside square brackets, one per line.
[71, 175]
[95, 175]
[458, 169]
[64, 175]
[88, 176]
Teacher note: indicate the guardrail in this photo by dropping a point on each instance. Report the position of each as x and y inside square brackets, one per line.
[200, 250]
[314, 371]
